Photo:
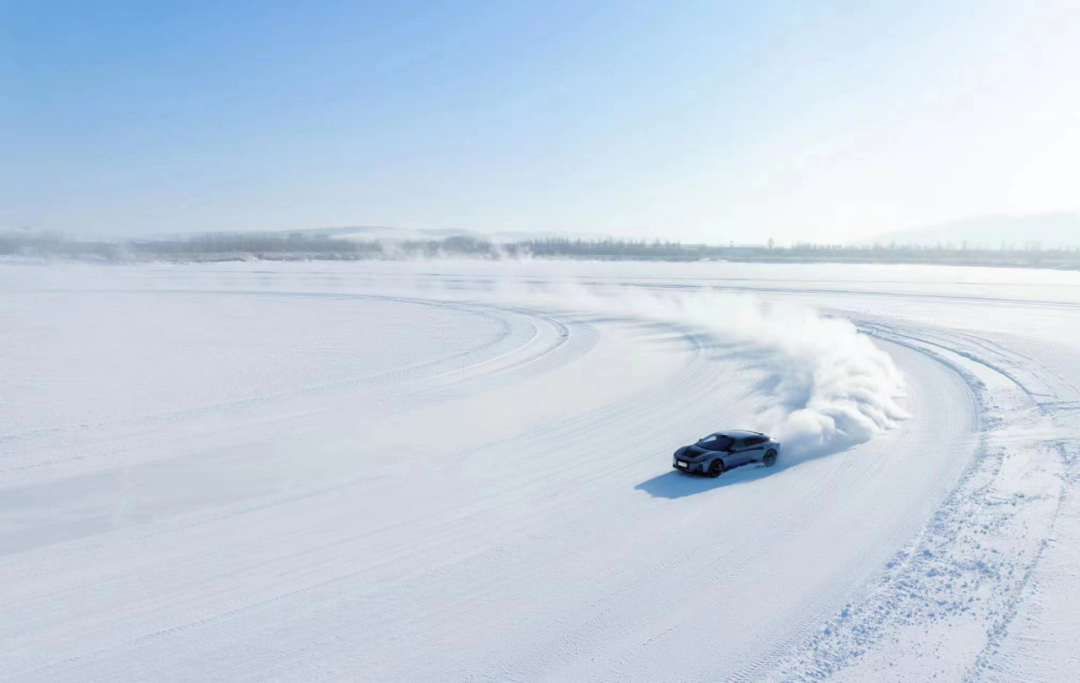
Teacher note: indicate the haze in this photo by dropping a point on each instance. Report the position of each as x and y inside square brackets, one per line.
[694, 121]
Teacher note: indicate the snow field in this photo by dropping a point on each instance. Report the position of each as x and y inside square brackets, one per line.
[446, 471]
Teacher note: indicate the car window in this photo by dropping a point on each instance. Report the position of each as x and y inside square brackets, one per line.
[715, 442]
[755, 441]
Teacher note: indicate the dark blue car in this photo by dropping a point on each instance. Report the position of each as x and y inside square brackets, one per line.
[716, 453]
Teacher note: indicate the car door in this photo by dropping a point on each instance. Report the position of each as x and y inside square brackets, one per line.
[752, 449]
[738, 454]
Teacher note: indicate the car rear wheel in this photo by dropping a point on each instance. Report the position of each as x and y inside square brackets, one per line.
[770, 458]
[716, 468]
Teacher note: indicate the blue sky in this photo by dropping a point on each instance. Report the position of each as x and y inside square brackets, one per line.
[700, 121]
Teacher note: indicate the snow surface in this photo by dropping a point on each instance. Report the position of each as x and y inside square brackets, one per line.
[445, 471]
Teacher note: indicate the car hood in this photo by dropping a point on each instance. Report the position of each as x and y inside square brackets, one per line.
[694, 451]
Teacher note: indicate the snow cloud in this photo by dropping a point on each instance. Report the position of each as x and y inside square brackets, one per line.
[828, 386]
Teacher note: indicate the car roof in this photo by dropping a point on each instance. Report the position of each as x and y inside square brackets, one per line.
[739, 433]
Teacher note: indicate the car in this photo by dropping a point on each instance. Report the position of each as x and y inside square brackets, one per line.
[719, 452]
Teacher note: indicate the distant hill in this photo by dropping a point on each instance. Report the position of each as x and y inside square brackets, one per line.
[1047, 231]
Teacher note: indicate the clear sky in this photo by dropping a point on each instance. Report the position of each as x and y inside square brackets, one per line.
[699, 121]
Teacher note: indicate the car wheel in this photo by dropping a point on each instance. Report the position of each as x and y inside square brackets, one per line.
[716, 468]
[770, 458]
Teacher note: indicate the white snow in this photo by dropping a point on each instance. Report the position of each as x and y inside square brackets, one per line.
[462, 471]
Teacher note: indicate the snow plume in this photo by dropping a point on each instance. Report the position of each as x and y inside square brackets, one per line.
[824, 385]
[831, 386]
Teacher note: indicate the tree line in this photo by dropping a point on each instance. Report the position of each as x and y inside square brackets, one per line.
[298, 246]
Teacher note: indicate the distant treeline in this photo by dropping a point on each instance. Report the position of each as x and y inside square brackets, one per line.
[616, 249]
[235, 245]
[26, 243]
[298, 246]
[246, 246]
[1031, 254]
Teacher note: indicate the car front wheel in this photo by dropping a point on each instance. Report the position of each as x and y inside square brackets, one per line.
[770, 458]
[716, 468]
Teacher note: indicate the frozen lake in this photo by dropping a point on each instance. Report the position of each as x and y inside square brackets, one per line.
[449, 471]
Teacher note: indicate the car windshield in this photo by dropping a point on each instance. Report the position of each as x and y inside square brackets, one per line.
[716, 442]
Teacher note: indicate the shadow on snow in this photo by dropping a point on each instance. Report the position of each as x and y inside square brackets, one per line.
[675, 484]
